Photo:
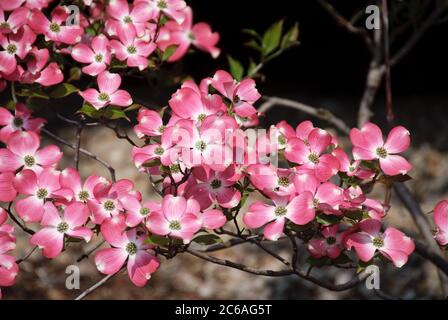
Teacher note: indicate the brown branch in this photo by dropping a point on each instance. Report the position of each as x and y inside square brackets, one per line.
[27, 255]
[83, 151]
[97, 285]
[89, 252]
[320, 113]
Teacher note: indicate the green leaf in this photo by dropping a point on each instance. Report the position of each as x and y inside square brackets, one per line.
[169, 51]
[271, 38]
[33, 94]
[152, 163]
[290, 38]
[62, 90]
[236, 68]
[157, 240]
[117, 64]
[251, 32]
[90, 111]
[114, 114]
[207, 239]
[327, 220]
[132, 107]
[74, 74]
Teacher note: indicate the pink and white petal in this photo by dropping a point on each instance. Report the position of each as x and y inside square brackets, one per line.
[258, 215]
[394, 165]
[327, 167]
[373, 137]
[7, 191]
[398, 140]
[9, 161]
[371, 226]
[173, 207]
[83, 53]
[141, 266]
[297, 151]
[90, 95]
[30, 209]
[110, 260]
[228, 197]
[51, 75]
[363, 246]
[25, 182]
[121, 98]
[49, 179]
[49, 240]
[70, 179]
[158, 224]
[76, 214]
[274, 230]
[213, 219]
[319, 140]
[23, 143]
[94, 69]
[81, 233]
[114, 231]
[49, 155]
[50, 217]
[100, 44]
[300, 209]
[441, 215]
[109, 82]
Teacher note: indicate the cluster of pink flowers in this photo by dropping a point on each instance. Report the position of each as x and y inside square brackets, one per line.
[101, 32]
[302, 193]
[8, 265]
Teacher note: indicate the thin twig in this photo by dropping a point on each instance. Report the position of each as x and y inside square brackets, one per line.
[319, 113]
[97, 285]
[88, 253]
[27, 255]
[83, 151]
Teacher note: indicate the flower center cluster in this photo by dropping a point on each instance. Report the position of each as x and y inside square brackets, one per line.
[159, 150]
[378, 242]
[131, 248]
[201, 145]
[4, 25]
[131, 49]
[236, 99]
[381, 152]
[316, 202]
[127, 19]
[283, 181]
[41, 193]
[201, 117]
[175, 168]
[109, 205]
[11, 48]
[331, 240]
[103, 96]
[18, 122]
[162, 4]
[83, 195]
[54, 27]
[99, 57]
[62, 227]
[161, 128]
[216, 184]
[314, 158]
[281, 139]
[29, 161]
[280, 211]
[175, 225]
[144, 211]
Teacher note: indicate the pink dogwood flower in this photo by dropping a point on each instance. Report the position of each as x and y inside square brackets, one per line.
[123, 17]
[71, 180]
[21, 120]
[15, 20]
[8, 266]
[56, 228]
[136, 212]
[310, 154]
[108, 83]
[393, 244]
[127, 246]
[55, 30]
[172, 8]
[329, 245]
[215, 186]
[97, 55]
[369, 145]
[178, 218]
[299, 210]
[185, 34]
[15, 46]
[7, 190]
[22, 152]
[441, 221]
[106, 203]
[272, 180]
[39, 189]
[133, 50]
[39, 70]
[149, 123]
[242, 94]
[352, 169]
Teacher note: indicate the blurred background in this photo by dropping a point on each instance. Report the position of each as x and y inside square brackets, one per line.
[327, 69]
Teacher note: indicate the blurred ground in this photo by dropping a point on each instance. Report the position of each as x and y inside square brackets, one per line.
[186, 277]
